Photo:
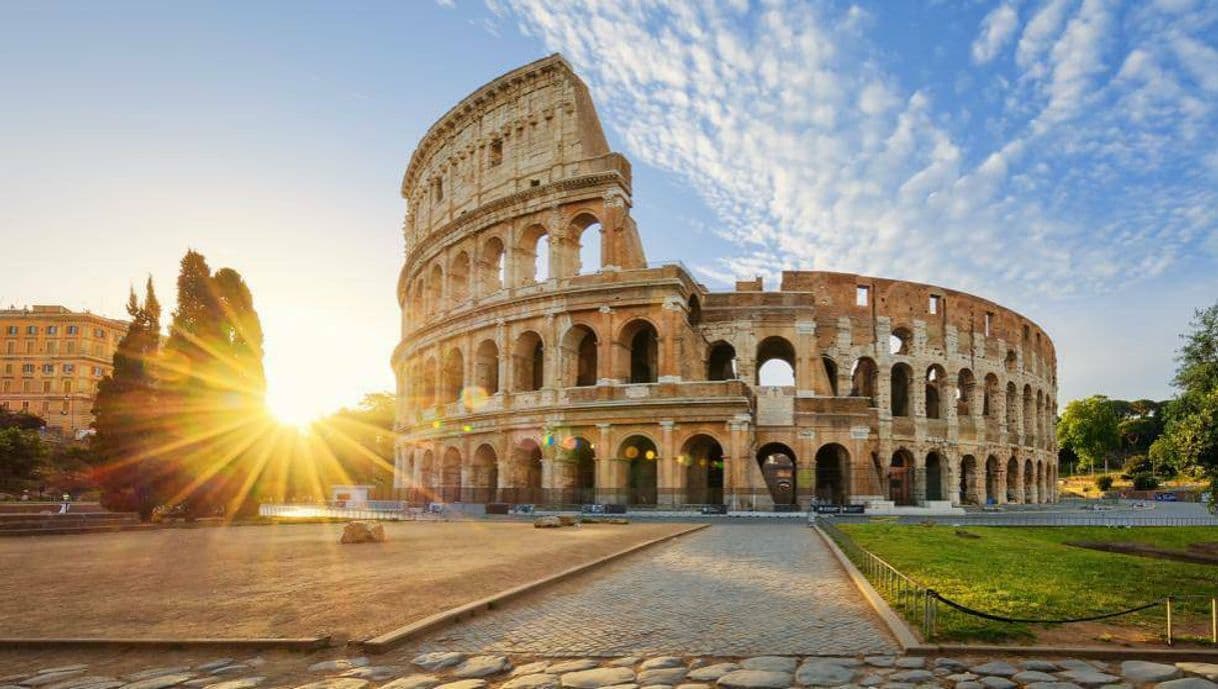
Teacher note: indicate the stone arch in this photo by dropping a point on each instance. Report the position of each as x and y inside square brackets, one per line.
[642, 457]
[1038, 429]
[418, 299]
[639, 343]
[1029, 414]
[1041, 487]
[528, 362]
[427, 476]
[830, 372]
[778, 465]
[936, 380]
[579, 455]
[864, 376]
[779, 350]
[993, 478]
[1012, 480]
[1012, 412]
[525, 471]
[702, 456]
[1029, 482]
[453, 376]
[966, 388]
[492, 266]
[970, 484]
[900, 341]
[991, 395]
[459, 278]
[1010, 361]
[587, 235]
[935, 477]
[533, 251]
[435, 289]
[832, 474]
[450, 476]
[427, 383]
[693, 312]
[579, 355]
[721, 364]
[483, 475]
[901, 472]
[486, 367]
[902, 377]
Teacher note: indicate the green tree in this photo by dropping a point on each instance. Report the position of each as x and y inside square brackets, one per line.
[1089, 427]
[1190, 436]
[20, 419]
[21, 454]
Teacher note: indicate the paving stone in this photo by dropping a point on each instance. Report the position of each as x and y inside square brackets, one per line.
[1052, 685]
[419, 681]
[879, 661]
[482, 666]
[155, 672]
[1037, 665]
[43, 679]
[161, 681]
[1187, 683]
[1122, 685]
[63, 668]
[969, 685]
[243, 683]
[998, 668]
[769, 663]
[911, 676]
[698, 662]
[710, 673]
[540, 680]
[911, 662]
[821, 673]
[111, 684]
[438, 660]
[529, 668]
[1206, 670]
[950, 663]
[573, 666]
[597, 677]
[755, 679]
[214, 664]
[376, 673]
[942, 672]
[465, 684]
[80, 681]
[1142, 672]
[663, 675]
[634, 686]
[963, 677]
[661, 662]
[693, 685]
[626, 661]
[231, 669]
[897, 685]
[1076, 664]
[1089, 678]
[1030, 676]
[871, 681]
[997, 683]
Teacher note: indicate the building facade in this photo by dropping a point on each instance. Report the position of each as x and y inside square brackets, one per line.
[51, 361]
[544, 360]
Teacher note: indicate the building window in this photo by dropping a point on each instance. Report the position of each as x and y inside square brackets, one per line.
[71, 346]
[99, 333]
[31, 330]
[10, 347]
[933, 306]
[437, 190]
[8, 369]
[48, 369]
[67, 386]
[8, 385]
[862, 295]
[52, 329]
[27, 386]
[97, 372]
[496, 152]
[46, 386]
[12, 330]
[52, 346]
[25, 406]
[989, 322]
[69, 368]
[72, 330]
[29, 346]
[27, 369]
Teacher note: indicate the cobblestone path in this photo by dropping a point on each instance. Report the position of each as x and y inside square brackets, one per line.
[728, 590]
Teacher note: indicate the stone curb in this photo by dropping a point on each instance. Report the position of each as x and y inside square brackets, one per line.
[896, 625]
[299, 644]
[389, 640]
[1164, 655]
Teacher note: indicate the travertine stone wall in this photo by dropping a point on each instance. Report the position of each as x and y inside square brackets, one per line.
[543, 360]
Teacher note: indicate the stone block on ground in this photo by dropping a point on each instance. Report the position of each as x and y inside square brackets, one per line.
[573, 666]
[215, 664]
[597, 678]
[1030, 676]
[822, 673]
[438, 660]
[166, 681]
[1206, 670]
[997, 683]
[465, 684]
[880, 661]
[710, 673]
[769, 663]
[662, 675]
[531, 668]
[376, 673]
[1142, 672]
[243, 683]
[419, 681]
[363, 532]
[47, 678]
[1037, 665]
[338, 664]
[482, 666]
[80, 681]
[567, 520]
[998, 668]
[1089, 678]
[539, 680]
[548, 522]
[910, 662]
[1050, 685]
[661, 662]
[624, 661]
[755, 679]
[1187, 683]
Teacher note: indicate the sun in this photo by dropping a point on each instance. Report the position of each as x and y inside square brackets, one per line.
[293, 410]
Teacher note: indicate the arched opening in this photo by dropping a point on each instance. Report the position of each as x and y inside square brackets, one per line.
[721, 365]
[427, 392]
[1013, 481]
[777, 462]
[535, 255]
[902, 376]
[832, 468]
[1012, 410]
[900, 341]
[590, 238]
[641, 479]
[580, 456]
[1042, 488]
[934, 477]
[969, 489]
[935, 377]
[990, 393]
[486, 367]
[528, 363]
[693, 310]
[642, 344]
[863, 377]
[1011, 361]
[776, 362]
[830, 372]
[418, 300]
[483, 475]
[526, 473]
[492, 266]
[426, 488]
[1029, 414]
[435, 290]
[1038, 430]
[901, 478]
[1029, 482]
[450, 476]
[458, 278]
[966, 386]
[579, 356]
[992, 469]
[454, 372]
[702, 456]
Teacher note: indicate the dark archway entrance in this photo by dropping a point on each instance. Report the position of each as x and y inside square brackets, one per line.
[968, 481]
[581, 456]
[901, 478]
[832, 464]
[934, 477]
[641, 481]
[777, 463]
[702, 456]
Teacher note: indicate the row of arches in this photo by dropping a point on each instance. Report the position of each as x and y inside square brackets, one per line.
[498, 261]
[1010, 481]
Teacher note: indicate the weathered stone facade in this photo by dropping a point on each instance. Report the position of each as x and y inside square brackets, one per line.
[543, 360]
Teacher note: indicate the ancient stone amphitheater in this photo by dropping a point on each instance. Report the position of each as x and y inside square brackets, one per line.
[544, 360]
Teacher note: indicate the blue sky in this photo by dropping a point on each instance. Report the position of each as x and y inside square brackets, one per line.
[1056, 156]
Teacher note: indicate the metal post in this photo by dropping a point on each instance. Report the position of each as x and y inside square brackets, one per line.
[1169, 634]
[1214, 620]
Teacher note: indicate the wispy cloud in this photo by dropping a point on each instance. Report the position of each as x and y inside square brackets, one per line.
[790, 122]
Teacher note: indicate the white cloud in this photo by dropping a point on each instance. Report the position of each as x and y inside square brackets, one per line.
[997, 30]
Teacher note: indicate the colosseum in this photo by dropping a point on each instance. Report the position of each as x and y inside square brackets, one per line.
[543, 360]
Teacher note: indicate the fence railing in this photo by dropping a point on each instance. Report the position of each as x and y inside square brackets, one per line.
[920, 604]
[1115, 519]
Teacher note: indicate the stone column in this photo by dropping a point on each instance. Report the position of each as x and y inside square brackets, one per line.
[668, 484]
[605, 486]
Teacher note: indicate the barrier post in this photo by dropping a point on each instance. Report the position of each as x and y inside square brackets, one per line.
[1214, 620]
[1169, 634]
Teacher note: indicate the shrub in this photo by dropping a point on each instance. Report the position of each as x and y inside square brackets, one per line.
[1104, 483]
[1145, 482]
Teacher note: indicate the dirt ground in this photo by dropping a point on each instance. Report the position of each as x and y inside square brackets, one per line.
[278, 581]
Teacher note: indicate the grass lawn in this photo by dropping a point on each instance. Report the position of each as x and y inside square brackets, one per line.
[1030, 573]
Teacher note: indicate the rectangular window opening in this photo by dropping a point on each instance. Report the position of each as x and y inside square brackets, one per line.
[989, 323]
[862, 295]
[933, 306]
